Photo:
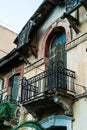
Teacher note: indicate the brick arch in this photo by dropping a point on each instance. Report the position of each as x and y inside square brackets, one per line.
[62, 24]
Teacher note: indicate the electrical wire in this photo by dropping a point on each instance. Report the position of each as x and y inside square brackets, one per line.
[3, 51]
[27, 62]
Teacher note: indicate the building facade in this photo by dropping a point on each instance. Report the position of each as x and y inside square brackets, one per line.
[46, 72]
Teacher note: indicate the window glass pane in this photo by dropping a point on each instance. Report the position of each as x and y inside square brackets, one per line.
[57, 52]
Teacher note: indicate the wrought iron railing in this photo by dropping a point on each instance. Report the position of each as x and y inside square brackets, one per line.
[52, 80]
[8, 98]
[5, 97]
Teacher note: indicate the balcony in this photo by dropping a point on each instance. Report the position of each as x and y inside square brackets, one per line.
[38, 93]
[57, 79]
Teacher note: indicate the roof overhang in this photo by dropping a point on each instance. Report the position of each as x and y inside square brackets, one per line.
[36, 20]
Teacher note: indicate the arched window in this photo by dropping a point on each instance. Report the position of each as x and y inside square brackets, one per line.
[60, 31]
[57, 50]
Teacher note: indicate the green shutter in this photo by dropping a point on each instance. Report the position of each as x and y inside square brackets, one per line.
[58, 54]
[14, 90]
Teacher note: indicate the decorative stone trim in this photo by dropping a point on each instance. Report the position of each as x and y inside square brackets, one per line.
[76, 41]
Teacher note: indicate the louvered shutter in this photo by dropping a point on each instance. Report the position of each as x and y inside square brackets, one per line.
[61, 57]
[58, 54]
[14, 89]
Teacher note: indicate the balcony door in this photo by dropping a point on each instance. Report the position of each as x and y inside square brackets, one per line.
[14, 81]
[57, 57]
[57, 51]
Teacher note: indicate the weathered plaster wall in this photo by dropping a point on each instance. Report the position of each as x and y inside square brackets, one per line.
[76, 61]
[80, 114]
[34, 69]
[6, 40]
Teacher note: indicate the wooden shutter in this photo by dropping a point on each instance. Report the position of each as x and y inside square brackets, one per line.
[14, 89]
[57, 54]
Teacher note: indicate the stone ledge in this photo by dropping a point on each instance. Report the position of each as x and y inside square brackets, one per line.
[76, 41]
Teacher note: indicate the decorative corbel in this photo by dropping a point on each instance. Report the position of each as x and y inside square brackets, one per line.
[33, 50]
[73, 22]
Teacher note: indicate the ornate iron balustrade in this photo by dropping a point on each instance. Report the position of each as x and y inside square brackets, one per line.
[5, 97]
[54, 79]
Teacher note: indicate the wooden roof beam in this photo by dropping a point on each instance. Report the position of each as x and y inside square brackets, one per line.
[73, 22]
[84, 3]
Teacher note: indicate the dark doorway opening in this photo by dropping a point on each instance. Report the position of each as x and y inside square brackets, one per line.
[57, 128]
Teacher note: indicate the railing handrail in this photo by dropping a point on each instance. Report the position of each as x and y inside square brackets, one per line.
[8, 98]
[56, 78]
[44, 74]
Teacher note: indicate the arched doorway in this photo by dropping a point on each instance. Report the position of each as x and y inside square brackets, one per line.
[56, 52]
